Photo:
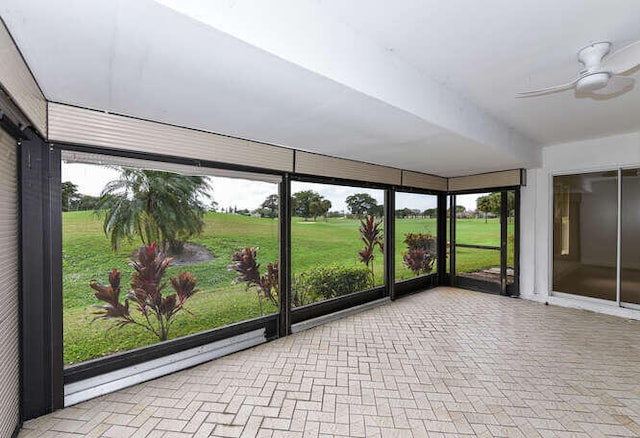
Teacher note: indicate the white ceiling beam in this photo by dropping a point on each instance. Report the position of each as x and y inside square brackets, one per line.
[330, 48]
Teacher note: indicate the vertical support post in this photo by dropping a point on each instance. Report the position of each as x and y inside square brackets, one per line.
[442, 238]
[41, 296]
[516, 244]
[504, 221]
[619, 241]
[284, 320]
[452, 239]
[54, 186]
[389, 242]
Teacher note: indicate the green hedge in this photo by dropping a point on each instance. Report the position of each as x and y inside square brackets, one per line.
[327, 282]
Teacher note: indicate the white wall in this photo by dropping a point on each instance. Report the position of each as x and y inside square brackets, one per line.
[605, 153]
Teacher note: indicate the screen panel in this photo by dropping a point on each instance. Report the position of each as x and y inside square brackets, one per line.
[153, 252]
[416, 233]
[336, 241]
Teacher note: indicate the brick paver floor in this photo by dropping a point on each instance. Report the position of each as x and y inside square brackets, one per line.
[442, 363]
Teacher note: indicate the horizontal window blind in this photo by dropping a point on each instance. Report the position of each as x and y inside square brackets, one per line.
[87, 127]
[504, 178]
[423, 181]
[322, 165]
[9, 232]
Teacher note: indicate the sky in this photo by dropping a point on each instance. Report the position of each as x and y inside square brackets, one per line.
[247, 194]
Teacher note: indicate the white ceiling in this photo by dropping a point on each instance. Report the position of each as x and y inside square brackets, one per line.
[424, 85]
[489, 50]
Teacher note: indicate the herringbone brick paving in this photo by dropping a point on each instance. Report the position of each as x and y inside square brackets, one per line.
[442, 363]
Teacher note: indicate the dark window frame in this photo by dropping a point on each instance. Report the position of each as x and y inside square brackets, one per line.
[425, 281]
[49, 396]
[484, 286]
[326, 307]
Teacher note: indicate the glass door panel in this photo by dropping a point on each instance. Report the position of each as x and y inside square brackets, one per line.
[585, 224]
[630, 238]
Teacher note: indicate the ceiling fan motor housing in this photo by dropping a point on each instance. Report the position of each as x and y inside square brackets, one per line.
[591, 55]
[592, 81]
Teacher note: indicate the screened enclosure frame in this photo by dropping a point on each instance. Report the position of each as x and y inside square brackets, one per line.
[40, 192]
[503, 288]
[426, 281]
[331, 305]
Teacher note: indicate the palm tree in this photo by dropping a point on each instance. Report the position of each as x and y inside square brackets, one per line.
[161, 207]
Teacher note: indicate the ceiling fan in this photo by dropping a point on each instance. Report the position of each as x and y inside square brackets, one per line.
[601, 73]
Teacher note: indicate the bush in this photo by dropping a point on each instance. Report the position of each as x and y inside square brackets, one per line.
[146, 294]
[420, 241]
[246, 266]
[421, 254]
[328, 282]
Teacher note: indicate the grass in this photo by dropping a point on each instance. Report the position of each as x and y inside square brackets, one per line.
[468, 231]
[87, 255]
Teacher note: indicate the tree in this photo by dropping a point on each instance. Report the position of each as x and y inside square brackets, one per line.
[403, 213]
[360, 203]
[492, 203]
[161, 207]
[85, 202]
[376, 210]
[483, 204]
[269, 208]
[430, 212]
[69, 195]
[319, 208]
[308, 203]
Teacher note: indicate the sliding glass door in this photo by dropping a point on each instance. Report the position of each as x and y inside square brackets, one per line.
[630, 238]
[585, 223]
[596, 227]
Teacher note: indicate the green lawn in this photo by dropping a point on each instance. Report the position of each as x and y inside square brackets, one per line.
[479, 232]
[468, 231]
[87, 255]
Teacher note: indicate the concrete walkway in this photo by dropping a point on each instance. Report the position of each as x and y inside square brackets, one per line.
[442, 363]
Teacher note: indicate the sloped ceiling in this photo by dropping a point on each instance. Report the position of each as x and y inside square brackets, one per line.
[422, 85]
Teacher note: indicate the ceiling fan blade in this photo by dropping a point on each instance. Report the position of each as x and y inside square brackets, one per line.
[616, 84]
[622, 60]
[548, 90]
